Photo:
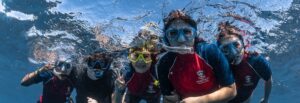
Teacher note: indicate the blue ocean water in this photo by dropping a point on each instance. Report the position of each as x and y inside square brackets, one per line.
[34, 32]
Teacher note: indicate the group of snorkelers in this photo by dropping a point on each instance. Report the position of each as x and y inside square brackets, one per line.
[178, 67]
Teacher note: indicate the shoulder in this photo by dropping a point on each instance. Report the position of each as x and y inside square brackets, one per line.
[128, 72]
[46, 74]
[256, 58]
[165, 59]
[164, 64]
[79, 74]
[165, 56]
[43, 76]
[209, 51]
[206, 48]
[111, 73]
[260, 65]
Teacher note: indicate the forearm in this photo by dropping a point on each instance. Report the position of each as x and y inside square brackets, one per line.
[220, 96]
[268, 88]
[120, 89]
[173, 98]
[117, 97]
[28, 79]
[169, 100]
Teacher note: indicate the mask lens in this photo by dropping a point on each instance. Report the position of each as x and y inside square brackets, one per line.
[67, 66]
[62, 65]
[232, 50]
[97, 64]
[147, 58]
[134, 57]
[186, 32]
[225, 50]
[173, 33]
[58, 69]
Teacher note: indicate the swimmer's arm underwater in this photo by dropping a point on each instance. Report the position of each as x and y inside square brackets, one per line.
[29, 78]
[268, 88]
[119, 91]
[222, 95]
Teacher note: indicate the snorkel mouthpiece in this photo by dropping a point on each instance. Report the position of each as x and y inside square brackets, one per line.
[177, 49]
[98, 74]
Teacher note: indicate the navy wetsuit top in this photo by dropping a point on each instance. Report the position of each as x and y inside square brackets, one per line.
[194, 74]
[248, 73]
[54, 90]
[101, 90]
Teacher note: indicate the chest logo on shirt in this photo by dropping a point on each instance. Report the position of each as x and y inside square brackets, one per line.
[248, 81]
[201, 77]
[150, 89]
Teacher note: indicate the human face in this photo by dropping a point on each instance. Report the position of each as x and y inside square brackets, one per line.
[96, 69]
[232, 47]
[180, 34]
[62, 69]
[141, 61]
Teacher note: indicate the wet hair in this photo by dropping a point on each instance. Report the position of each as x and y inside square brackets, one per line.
[143, 41]
[137, 44]
[178, 15]
[226, 30]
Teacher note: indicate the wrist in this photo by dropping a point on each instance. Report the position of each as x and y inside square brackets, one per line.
[266, 98]
[203, 99]
[36, 72]
[42, 69]
[120, 90]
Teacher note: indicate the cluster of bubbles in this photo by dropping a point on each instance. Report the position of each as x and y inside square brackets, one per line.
[78, 38]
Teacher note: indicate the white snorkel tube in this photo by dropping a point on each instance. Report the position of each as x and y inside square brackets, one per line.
[177, 49]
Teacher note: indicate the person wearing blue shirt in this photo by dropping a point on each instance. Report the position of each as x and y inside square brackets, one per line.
[140, 79]
[95, 79]
[192, 71]
[247, 67]
[57, 79]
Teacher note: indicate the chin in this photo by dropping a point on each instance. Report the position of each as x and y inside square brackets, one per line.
[62, 77]
[141, 69]
[236, 62]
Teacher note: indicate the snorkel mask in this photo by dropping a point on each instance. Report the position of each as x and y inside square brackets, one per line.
[62, 69]
[97, 68]
[140, 59]
[233, 50]
[180, 31]
[140, 56]
[180, 50]
[231, 43]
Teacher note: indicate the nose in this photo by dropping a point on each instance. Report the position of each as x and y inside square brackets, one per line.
[97, 65]
[233, 53]
[232, 50]
[140, 60]
[63, 69]
[181, 38]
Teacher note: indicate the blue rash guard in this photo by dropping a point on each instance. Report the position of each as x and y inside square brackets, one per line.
[194, 74]
[247, 75]
[54, 90]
